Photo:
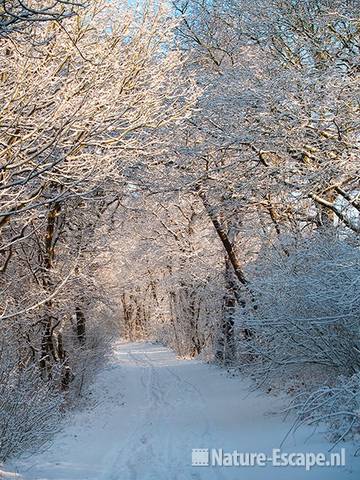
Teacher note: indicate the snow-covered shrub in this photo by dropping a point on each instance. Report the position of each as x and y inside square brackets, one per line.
[33, 400]
[338, 405]
[30, 408]
[85, 359]
[307, 315]
[305, 329]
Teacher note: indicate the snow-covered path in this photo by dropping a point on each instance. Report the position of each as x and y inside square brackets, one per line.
[153, 409]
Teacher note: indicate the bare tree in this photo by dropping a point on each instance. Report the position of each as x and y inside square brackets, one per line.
[18, 15]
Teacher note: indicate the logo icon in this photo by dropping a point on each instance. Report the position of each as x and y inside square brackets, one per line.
[200, 457]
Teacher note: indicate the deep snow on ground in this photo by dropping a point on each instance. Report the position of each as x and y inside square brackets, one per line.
[152, 409]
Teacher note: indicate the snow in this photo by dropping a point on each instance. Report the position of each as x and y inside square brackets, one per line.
[152, 409]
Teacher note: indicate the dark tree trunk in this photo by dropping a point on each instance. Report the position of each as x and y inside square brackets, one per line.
[225, 352]
[80, 325]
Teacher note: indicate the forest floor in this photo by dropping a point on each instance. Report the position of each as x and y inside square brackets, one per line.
[151, 409]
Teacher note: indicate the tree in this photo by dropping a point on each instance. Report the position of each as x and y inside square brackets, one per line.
[81, 108]
[17, 15]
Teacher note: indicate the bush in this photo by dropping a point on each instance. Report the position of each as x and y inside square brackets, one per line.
[305, 331]
[30, 409]
[338, 405]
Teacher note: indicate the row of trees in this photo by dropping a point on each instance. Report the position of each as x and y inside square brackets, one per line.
[243, 244]
[83, 96]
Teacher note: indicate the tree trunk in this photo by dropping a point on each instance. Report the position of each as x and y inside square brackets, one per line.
[80, 325]
[225, 351]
